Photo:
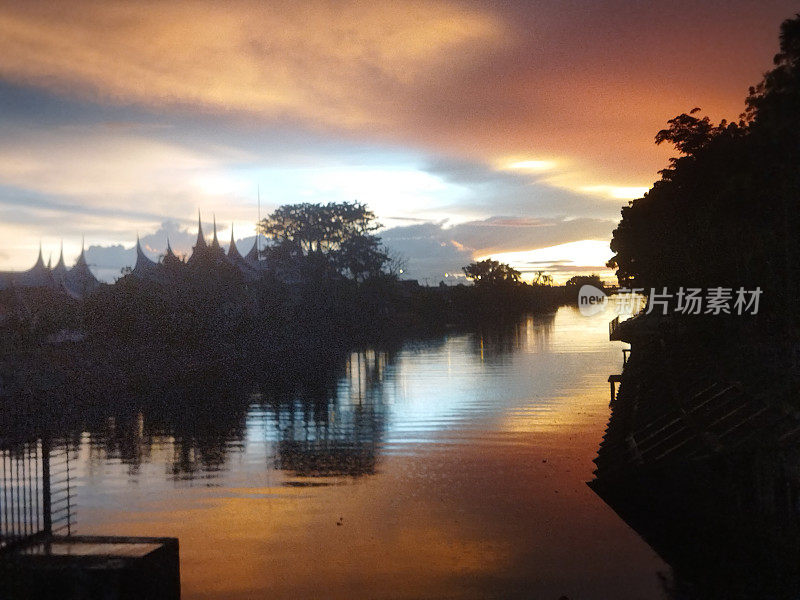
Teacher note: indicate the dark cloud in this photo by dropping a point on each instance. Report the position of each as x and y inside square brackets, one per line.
[548, 262]
[433, 249]
[594, 81]
[427, 250]
[561, 267]
[504, 234]
[26, 207]
[589, 81]
[584, 84]
[489, 190]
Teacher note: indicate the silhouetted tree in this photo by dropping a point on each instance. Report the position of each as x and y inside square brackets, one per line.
[490, 272]
[581, 280]
[338, 237]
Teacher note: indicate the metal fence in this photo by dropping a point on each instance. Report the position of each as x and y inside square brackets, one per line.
[36, 498]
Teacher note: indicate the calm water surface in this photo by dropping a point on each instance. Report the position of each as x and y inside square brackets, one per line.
[454, 468]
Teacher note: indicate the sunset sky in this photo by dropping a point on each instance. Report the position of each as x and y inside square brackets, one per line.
[511, 129]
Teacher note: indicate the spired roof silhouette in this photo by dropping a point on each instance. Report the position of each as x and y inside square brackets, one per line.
[200, 248]
[204, 255]
[170, 259]
[79, 281]
[37, 276]
[250, 266]
[145, 268]
[60, 270]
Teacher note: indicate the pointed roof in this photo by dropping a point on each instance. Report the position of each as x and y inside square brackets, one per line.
[145, 268]
[233, 258]
[233, 251]
[201, 240]
[37, 276]
[252, 256]
[248, 269]
[39, 261]
[60, 269]
[170, 258]
[215, 241]
[81, 260]
[79, 280]
[200, 246]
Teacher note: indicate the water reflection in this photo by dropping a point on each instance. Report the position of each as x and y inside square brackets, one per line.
[334, 432]
[453, 467]
[326, 426]
[497, 345]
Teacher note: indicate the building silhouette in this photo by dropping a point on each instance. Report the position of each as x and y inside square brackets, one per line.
[78, 281]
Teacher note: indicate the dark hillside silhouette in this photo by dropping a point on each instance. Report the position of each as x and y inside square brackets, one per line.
[724, 212]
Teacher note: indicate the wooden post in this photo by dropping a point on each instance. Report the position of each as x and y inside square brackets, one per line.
[47, 515]
[613, 380]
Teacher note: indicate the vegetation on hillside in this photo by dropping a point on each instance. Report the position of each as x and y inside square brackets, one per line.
[725, 211]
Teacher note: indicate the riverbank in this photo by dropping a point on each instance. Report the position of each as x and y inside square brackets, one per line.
[130, 336]
[693, 389]
[701, 451]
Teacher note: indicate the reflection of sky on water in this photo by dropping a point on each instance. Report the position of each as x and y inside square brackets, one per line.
[459, 457]
[532, 376]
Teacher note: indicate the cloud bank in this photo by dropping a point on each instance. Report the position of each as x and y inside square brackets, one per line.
[115, 116]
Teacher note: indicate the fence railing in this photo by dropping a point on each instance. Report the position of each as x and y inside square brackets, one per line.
[36, 497]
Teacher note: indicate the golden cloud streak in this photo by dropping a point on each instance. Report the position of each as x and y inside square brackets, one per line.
[339, 63]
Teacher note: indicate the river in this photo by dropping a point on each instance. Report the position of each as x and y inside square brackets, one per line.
[451, 468]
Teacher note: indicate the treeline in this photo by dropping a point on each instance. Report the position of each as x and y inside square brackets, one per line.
[725, 215]
[215, 311]
[139, 338]
[211, 306]
[324, 279]
[325, 287]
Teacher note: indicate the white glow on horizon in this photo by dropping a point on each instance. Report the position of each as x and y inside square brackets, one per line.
[401, 192]
[590, 254]
[221, 183]
[616, 192]
[532, 165]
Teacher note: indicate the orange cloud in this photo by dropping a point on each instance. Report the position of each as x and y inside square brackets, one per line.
[569, 95]
[586, 87]
[336, 63]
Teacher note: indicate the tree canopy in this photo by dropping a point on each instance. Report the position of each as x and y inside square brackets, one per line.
[724, 212]
[490, 272]
[338, 236]
[577, 281]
